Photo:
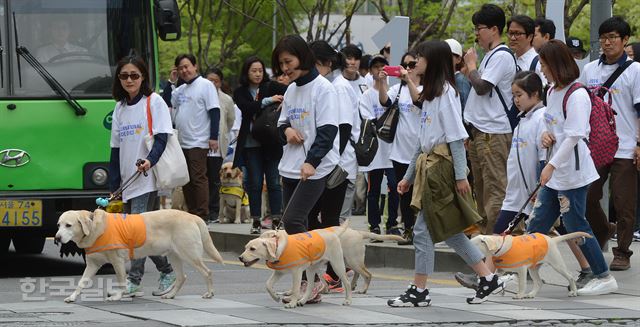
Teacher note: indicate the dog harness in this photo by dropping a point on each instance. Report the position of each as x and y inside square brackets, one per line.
[301, 248]
[122, 231]
[526, 250]
[237, 191]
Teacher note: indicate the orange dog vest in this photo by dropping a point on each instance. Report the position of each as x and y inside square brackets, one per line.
[526, 250]
[301, 248]
[122, 231]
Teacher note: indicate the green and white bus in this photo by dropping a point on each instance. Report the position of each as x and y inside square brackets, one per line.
[57, 59]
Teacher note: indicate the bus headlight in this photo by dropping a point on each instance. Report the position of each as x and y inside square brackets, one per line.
[99, 177]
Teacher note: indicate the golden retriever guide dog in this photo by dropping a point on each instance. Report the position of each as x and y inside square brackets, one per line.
[234, 201]
[112, 238]
[529, 251]
[292, 254]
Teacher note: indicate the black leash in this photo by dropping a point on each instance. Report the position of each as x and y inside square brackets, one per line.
[103, 202]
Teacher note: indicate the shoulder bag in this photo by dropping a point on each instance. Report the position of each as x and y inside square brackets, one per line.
[388, 123]
[171, 169]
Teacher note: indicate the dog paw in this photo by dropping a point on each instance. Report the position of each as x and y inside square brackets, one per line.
[168, 296]
[207, 295]
[70, 299]
[346, 302]
[291, 305]
[519, 297]
[360, 292]
[573, 293]
[530, 296]
[237, 221]
[115, 297]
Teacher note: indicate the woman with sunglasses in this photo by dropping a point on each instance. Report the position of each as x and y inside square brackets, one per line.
[132, 91]
[403, 146]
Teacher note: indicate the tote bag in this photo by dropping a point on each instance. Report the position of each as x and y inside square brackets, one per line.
[171, 170]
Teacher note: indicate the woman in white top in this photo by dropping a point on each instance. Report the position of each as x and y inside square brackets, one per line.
[308, 128]
[403, 146]
[566, 178]
[129, 155]
[442, 183]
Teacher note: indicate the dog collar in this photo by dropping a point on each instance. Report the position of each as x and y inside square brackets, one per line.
[501, 245]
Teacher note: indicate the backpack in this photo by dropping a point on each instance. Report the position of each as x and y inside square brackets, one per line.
[603, 139]
[513, 114]
[366, 146]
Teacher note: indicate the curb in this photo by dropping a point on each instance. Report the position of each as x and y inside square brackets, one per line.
[388, 255]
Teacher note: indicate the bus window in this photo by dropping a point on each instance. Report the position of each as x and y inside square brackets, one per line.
[77, 41]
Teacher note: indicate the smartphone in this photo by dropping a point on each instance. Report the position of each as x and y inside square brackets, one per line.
[392, 70]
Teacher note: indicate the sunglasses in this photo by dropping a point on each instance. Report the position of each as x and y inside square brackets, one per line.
[410, 65]
[125, 76]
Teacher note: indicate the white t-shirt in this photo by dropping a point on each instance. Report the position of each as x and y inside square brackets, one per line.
[525, 60]
[565, 176]
[626, 93]
[486, 112]
[527, 141]
[404, 144]
[306, 108]
[128, 128]
[348, 102]
[369, 80]
[359, 85]
[370, 108]
[441, 120]
[191, 103]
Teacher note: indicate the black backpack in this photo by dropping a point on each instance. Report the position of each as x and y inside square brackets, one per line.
[512, 112]
[265, 126]
[366, 146]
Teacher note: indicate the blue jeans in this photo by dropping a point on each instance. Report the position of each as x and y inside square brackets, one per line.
[373, 198]
[258, 167]
[572, 205]
[140, 204]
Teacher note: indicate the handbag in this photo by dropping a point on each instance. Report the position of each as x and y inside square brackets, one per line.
[171, 169]
[388, 122]
[265, 126]
[366, 146]
[336, 177]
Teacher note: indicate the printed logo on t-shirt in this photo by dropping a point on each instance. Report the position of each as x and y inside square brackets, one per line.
[550, 119]
[425, 118]
[407, 107]
[130, 130]
[378, 110]
[519, 142]
[181, 98]
[297, 114]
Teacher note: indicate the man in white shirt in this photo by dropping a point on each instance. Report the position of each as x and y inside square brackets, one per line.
[197, 118]
[59, 45]
[491, 130]
[625, 93]
[520, 32]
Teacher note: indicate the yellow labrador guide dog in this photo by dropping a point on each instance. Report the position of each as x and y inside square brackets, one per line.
[114, 238]
[529, 251]
[308, 251]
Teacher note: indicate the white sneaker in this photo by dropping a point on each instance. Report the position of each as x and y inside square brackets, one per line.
[599, 286]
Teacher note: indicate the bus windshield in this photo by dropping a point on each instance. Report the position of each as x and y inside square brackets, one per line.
[79, 42]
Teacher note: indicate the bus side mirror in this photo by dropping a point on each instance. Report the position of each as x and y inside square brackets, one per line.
[167, 17]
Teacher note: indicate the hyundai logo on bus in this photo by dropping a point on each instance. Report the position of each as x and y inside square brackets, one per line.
[14, 158]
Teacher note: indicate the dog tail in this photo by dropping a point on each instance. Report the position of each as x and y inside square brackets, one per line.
[342, 228]
[571, 236]
[378, 237]
[207, 242]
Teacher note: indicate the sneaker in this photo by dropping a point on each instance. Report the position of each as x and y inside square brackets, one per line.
[467, 280]
[276, 222]
[394, 231]
[411, 297]
[599, 286]
[375, 230]
[315, 296]
[584, 278]
[133, 290]
[620, 263]
[636, 236]
[267, 223]
[166, 284]
[408, 237]
[255, 227]
[333, 286]
[486, 288]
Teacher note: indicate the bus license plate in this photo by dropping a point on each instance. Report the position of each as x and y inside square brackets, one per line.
[19, 213]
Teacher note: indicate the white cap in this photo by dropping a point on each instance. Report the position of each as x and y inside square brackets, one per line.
[455, 46]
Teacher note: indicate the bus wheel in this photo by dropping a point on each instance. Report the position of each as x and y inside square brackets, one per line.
[29, 245]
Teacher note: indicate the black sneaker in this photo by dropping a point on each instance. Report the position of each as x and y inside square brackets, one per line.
[408, 237]
[255, 227]
[394, 231]
[375, 230]
[467, 280]
[485, 288]
[410, 298]
[583, 279]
